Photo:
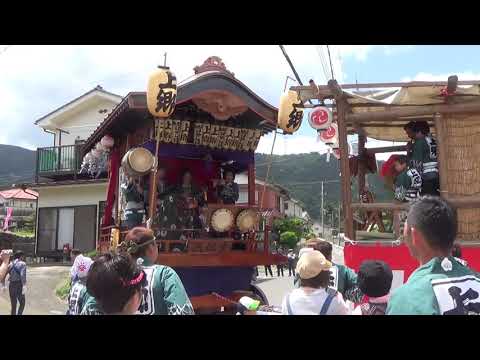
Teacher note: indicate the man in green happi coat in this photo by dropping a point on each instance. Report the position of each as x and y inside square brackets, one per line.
[442, 285]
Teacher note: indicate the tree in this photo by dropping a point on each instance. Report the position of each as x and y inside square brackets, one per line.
[289, 238]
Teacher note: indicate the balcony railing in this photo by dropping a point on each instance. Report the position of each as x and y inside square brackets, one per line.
[58, 160]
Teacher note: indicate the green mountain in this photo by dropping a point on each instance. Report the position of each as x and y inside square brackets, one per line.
[302, 175]
[17, 165]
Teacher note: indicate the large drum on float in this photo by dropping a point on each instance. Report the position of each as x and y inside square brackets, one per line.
[222, 220]
[247, 220]
[138, 161]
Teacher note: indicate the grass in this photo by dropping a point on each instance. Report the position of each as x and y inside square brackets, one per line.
[24, 233]
[63, 289]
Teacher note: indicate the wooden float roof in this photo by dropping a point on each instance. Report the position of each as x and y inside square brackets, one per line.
[392, 107]
[132, 111]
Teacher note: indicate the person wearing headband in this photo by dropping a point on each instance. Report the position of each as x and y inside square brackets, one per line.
[163, 293]
[78, 293]
[116, 284]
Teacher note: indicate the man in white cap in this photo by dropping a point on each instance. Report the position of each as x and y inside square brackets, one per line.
[314, 297]
[78, 292]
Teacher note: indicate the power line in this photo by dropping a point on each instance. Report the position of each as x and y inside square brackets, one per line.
[330, 58]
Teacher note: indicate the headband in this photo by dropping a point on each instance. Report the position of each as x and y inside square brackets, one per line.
[132, 247]
[134, 281]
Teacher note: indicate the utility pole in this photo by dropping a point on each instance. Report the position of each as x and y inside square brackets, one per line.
[323, 230]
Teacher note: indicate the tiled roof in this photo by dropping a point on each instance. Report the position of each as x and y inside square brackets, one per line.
[18, 194]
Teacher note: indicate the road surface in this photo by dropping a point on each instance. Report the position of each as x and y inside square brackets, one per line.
[42, 281]
[40, 295]
[275, 288]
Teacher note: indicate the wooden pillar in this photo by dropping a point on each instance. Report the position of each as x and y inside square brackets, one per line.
[361, 158]
[441, 153]
[251, 184]
[345, 168]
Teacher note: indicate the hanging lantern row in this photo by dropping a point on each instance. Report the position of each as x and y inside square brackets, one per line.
[161, 92]
[96, 161]
[320, 118]
[290, 112]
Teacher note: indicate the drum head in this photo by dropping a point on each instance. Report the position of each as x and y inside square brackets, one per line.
[247, 220]
[140, 160]
[222, 220]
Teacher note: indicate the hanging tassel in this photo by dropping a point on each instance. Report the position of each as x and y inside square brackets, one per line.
[328, 155]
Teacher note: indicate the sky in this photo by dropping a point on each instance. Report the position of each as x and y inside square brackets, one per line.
[37, 79]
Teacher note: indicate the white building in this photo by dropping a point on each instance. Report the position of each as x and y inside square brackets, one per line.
[70, 205]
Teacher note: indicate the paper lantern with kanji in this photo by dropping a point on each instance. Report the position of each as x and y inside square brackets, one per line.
[330, 135]
[290, 112]
[162, 92]
[320, 118]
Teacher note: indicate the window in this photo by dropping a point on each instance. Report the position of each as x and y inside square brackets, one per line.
[277, 198]
[243, 197]
[73, 225]
[285, 205]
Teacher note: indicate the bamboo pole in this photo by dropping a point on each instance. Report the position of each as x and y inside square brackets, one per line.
[386, 149]
[405, 111]
[344, 160]
[361, 158]
[441, 152]
[380, 206]
[153, 178]
[388, 85]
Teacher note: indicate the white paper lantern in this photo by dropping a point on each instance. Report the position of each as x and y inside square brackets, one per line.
[320, 118]
[330, 135]
[107, 142]
[290, 112]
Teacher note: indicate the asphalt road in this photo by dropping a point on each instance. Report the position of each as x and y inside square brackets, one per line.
[275, 288]
[40, 296]
[42, 281]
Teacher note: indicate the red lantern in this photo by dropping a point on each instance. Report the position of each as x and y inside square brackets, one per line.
[330, 135]
[320, 118]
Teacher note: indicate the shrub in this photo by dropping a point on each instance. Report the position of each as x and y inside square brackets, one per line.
[289, 238]
[63, 289]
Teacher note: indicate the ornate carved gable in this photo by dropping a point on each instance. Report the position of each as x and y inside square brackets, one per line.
[213, 63]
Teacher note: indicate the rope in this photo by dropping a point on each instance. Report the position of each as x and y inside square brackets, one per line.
[224, 298]
[330, 58]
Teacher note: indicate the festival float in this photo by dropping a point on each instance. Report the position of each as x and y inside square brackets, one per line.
[208, 124]
[451, 108]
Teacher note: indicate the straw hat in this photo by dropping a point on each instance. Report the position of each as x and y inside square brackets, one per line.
[312, 263]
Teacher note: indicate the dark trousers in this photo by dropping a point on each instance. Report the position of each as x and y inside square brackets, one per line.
[268, 268]
[279, 269]
[15, 290]
[291, 269]
[430, 187]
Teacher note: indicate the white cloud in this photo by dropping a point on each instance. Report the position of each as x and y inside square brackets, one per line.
[290, 144]
[423, 76]
[34, 80]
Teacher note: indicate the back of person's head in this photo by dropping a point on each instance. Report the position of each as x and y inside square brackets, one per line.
[81, 266]
[401, 159]
[409, 126]
[75, 252]
[436, 220]
[314, 270]
[374, 278]
[137, 241]
[113, 280]
[323, 246]
[18, 254]
[422, 127]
